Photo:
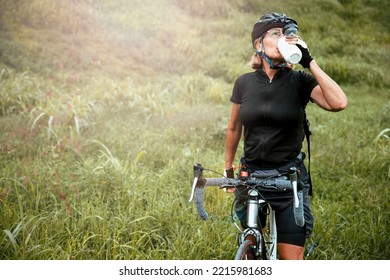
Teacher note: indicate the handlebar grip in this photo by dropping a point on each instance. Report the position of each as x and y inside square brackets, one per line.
[218, 181]
[199, 194]
[199, 203]
[298, 211]
[282, 185]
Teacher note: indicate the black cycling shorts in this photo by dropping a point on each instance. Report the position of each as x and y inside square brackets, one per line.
[288, 231]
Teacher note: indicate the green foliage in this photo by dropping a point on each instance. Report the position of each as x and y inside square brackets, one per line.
[105, 106]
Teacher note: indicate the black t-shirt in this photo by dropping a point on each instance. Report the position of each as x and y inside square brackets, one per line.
[272, 113]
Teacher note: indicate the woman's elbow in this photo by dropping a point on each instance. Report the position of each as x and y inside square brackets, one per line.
[340, 105]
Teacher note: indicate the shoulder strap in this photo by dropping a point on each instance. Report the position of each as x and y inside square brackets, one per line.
[307, 131]
[306, 128]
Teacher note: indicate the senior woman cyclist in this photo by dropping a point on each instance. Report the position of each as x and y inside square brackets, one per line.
[268, 107]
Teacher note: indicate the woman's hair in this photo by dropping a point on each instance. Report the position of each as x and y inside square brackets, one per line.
[256, 61]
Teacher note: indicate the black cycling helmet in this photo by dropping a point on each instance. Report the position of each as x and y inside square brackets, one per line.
[272, 20]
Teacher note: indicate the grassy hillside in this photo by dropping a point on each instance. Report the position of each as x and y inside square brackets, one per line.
[106, 105]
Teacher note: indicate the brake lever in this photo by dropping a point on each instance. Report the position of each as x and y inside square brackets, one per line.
[294, 181]
[198, 170]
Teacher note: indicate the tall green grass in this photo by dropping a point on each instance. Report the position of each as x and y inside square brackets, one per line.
[105, 106]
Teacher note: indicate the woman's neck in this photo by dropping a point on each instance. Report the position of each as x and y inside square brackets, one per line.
[268, 71]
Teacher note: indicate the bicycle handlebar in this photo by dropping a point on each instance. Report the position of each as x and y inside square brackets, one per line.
[279, 185]
[274, 184]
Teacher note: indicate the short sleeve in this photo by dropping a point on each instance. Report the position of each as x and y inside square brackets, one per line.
[306, 85]
[238, 89]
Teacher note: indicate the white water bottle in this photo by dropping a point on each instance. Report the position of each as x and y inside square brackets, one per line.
[291, 53]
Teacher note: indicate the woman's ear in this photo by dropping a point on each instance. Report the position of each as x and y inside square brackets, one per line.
[257, 44]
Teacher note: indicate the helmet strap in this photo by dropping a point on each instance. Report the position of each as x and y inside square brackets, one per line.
[266, 57]
[272, 65]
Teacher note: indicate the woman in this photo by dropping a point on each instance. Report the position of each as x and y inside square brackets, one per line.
[268, 105]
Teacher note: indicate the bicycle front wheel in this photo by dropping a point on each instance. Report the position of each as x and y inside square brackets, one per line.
[246, 251]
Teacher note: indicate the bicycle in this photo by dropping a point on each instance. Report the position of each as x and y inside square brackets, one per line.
[253, 242]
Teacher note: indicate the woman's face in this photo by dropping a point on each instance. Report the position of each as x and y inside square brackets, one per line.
[270, 42]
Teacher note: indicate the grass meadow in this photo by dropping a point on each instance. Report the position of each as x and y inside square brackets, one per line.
[106, 105]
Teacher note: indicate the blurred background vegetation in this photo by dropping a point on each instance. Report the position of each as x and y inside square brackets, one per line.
[106, 105]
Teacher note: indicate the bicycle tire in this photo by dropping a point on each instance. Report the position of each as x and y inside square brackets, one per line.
[245, 251]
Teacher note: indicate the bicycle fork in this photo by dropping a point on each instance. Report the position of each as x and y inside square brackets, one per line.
[254, 204]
